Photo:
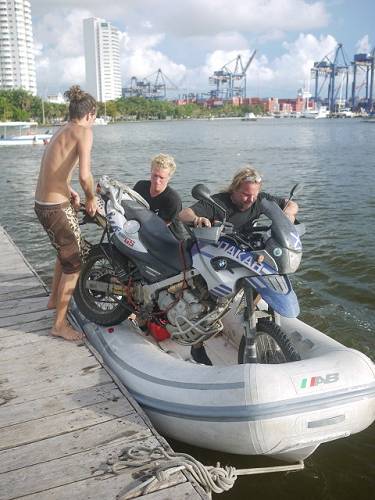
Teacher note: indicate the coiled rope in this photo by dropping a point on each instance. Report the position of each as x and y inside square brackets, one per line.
[213, 479]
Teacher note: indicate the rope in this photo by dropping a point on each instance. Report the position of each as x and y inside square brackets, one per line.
[164, 464]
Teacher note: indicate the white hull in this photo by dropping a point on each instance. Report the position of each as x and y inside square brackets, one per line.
[284, 411]
[26, 140]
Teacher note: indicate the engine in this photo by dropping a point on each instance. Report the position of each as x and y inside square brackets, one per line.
[192, 313]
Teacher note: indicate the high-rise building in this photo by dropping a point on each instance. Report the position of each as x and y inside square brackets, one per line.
[17, 61]
[102, 59]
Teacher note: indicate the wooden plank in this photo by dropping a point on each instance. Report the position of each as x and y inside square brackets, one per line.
[40, 330]
[183, 491]
[26, 317]
[60, 385]
[27, 378]
[61, 423]
[48, 346]
[42, 361]
[115, 488]
[23, 306]
[52, 405]
[75, 468]
[17, 285]
[18, 302]
[36, 291]
[132, 427]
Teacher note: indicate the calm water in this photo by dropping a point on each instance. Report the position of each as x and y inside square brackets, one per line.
[334, 161]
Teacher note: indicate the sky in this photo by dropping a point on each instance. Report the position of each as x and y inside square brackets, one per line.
[190, 39]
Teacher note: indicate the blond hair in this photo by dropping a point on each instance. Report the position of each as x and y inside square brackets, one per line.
[247, 174]
[164, 162]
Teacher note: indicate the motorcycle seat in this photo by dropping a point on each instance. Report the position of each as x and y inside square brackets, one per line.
[157, 238]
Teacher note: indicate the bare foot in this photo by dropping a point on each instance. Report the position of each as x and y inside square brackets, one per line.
[67, 333]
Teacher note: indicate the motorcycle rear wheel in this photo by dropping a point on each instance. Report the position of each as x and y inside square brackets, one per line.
[100, 307]
[272, 345]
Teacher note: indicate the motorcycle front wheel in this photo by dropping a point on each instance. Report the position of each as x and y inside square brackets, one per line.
[101, 307]
[272, 345]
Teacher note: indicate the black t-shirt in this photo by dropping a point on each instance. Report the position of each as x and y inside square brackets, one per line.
[167, 205]
[240, 220]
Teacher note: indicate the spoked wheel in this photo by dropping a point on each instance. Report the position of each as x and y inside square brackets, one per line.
[101, 307]
[272, 345]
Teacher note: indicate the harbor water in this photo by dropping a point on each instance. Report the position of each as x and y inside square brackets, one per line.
[334, 162]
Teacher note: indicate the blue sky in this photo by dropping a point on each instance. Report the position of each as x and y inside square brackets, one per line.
[189, 40]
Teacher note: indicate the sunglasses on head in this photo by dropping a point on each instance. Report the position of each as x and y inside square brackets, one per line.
[253, 178]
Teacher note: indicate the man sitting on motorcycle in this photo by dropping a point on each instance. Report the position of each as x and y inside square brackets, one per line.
[163, 200]
[241, 202]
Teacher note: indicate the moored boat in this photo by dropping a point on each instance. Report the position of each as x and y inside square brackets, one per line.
[280, 410]
[22, 133]
[249, 117]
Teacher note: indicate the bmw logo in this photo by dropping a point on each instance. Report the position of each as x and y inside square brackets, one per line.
[277, 252]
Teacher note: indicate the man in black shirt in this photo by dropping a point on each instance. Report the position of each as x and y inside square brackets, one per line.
[241, 201]
[163, 200]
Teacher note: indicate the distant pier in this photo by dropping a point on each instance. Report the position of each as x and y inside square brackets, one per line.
[64, 423]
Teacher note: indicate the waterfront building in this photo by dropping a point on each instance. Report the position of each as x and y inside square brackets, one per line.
[17, 61]
[102, 59]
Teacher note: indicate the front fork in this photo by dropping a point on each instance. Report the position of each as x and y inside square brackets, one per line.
[250, 352]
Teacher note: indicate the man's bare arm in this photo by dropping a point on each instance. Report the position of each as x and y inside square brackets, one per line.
[188, 215]
[85, 177]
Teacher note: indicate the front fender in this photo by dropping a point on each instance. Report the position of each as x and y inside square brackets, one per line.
[277, 291]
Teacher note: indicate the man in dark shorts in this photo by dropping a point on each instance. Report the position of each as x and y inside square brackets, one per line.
[241, 201]
[163, 200]
[56, 201]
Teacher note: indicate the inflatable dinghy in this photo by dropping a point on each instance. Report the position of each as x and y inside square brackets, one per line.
[280, 410]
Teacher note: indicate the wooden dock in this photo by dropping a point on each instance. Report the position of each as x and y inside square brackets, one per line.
[64, 423]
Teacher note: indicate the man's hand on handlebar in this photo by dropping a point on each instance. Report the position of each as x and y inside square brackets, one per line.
[201, 222]
[90, 206]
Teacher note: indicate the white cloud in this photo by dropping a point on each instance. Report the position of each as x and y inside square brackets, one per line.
[59, 50]
[363, 45]
[206, 34]
[279, 76]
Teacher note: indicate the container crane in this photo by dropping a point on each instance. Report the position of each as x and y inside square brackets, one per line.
[230, 80]
[154, 86]
[363, 65]
[329, 69]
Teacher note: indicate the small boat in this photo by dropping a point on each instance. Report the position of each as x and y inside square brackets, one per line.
[249, 117]
[321, 112]
[283, 410]
[102, 120]
[22, 133]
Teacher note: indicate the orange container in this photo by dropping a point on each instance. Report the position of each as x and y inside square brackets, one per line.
[158, 331]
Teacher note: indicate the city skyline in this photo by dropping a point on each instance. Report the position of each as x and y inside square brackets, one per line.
[190, 44]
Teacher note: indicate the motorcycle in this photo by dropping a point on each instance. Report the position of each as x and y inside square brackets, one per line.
[189, 286]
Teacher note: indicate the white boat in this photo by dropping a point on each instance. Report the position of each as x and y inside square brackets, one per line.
[249, 117]
[321, 112]
[22, 133]
[282, 410]
[101, 120]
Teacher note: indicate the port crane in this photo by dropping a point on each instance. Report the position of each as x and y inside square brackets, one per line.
[328, 72]
[230, 80]
[363, 66]
[154, 86]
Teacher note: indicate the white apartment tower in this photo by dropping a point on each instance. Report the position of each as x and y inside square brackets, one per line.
[102, 59]
[17, 62]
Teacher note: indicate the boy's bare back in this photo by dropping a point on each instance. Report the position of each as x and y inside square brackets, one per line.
[59, 159]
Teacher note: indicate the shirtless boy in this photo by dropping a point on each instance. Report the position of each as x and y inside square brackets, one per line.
[56, 202]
